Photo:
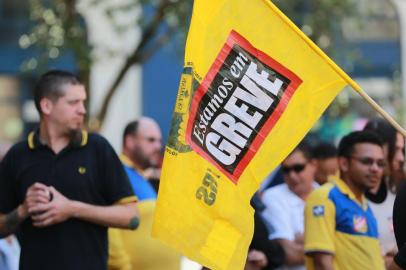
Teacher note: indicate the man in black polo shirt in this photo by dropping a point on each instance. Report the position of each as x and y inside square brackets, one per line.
[63, 187]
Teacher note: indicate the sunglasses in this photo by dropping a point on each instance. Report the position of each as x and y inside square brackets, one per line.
[297, 168]
[370, 161]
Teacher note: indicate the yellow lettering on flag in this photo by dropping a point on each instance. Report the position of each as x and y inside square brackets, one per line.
[252, 87]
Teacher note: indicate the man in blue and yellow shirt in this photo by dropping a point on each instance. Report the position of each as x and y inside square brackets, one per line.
[340, 229]
[138, 250]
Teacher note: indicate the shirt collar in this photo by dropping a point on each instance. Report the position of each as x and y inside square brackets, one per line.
[344, 188]
[79, 140]
[128, 162]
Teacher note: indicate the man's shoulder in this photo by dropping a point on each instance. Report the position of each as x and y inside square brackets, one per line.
[18, 148]
[278, 191]
[277, 194]
[97, 141]
[96, 138]
[322, 192]
[132, 172]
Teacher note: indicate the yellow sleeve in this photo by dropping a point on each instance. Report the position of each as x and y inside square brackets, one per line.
[319, 222]
[118, 257]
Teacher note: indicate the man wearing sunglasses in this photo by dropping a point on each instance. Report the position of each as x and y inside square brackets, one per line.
[285, 204]
[340, 229]
[142, 144]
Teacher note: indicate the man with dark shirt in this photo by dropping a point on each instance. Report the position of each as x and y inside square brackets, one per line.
[63, 187]
[399, 225]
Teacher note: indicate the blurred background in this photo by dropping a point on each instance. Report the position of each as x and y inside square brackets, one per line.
[129, 54]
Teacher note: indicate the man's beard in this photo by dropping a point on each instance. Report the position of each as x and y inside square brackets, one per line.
[74, 133]
[142, 160]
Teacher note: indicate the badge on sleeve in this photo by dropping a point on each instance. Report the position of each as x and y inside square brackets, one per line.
[318, 210]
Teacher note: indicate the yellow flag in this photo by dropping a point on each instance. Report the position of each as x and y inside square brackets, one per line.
[252, 87]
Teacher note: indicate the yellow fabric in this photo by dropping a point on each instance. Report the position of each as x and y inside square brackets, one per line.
[85, 137]
[322, 235]
[203, 211]
[350, 251]
[129, 199]
[137, 249]
[118, 259]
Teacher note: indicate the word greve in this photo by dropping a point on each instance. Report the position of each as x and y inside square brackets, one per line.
[236, 100]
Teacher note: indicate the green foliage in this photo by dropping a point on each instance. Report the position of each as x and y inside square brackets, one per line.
[320, 20]
[57, 29]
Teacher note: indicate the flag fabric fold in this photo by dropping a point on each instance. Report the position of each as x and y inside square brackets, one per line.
[252, 86]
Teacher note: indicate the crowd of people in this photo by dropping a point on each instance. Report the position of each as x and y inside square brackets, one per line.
[68, 201]
[336, 207]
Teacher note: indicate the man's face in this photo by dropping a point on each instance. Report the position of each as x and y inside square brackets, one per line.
[364, 168]
[147, 144]
[298, 173]
[68, 112]
[399, 155]
[325, 168]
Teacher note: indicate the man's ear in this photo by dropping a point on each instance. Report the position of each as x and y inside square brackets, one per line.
[343, 164]
[129, 141]
[46, 106]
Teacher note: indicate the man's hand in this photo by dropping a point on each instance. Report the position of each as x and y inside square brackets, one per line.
[52, 212]
[394, 266]
[36, 194]
[256, 260]
[299, 238]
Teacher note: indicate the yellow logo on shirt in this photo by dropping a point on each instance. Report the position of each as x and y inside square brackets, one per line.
[360, 224]
[82, 170]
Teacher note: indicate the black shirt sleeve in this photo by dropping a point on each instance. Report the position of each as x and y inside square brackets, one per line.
[399, 224]
[400, 258]
[115, 180]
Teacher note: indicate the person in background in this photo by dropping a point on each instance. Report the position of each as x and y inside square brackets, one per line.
[261, 244]
[62, 187]
[324, 156]
[9, 246]
[142, 143]
[256, 260]
[382, 197]
[285, 204]
[399, 224]
[340, 229]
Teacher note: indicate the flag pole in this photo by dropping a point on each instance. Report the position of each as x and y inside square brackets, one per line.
[376, 107]
[344, 75]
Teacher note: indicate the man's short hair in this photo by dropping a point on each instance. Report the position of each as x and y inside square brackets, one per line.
[305, 148]
[130, 129]
[347, 143]
[385, 131]
[50, 86]
[324, 150]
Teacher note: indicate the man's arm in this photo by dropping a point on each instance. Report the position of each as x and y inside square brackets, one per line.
[394, 266]
[322, 260]
[10, 222]
[36, 194]
[294, 252]
[61, 209]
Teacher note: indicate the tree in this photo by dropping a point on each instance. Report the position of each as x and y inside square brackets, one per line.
[58, 28]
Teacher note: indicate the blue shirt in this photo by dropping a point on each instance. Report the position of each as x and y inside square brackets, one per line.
[141, 186]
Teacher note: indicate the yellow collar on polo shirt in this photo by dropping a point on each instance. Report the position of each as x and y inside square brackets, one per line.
[79, 141]
[127, 161]
[345, 189]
